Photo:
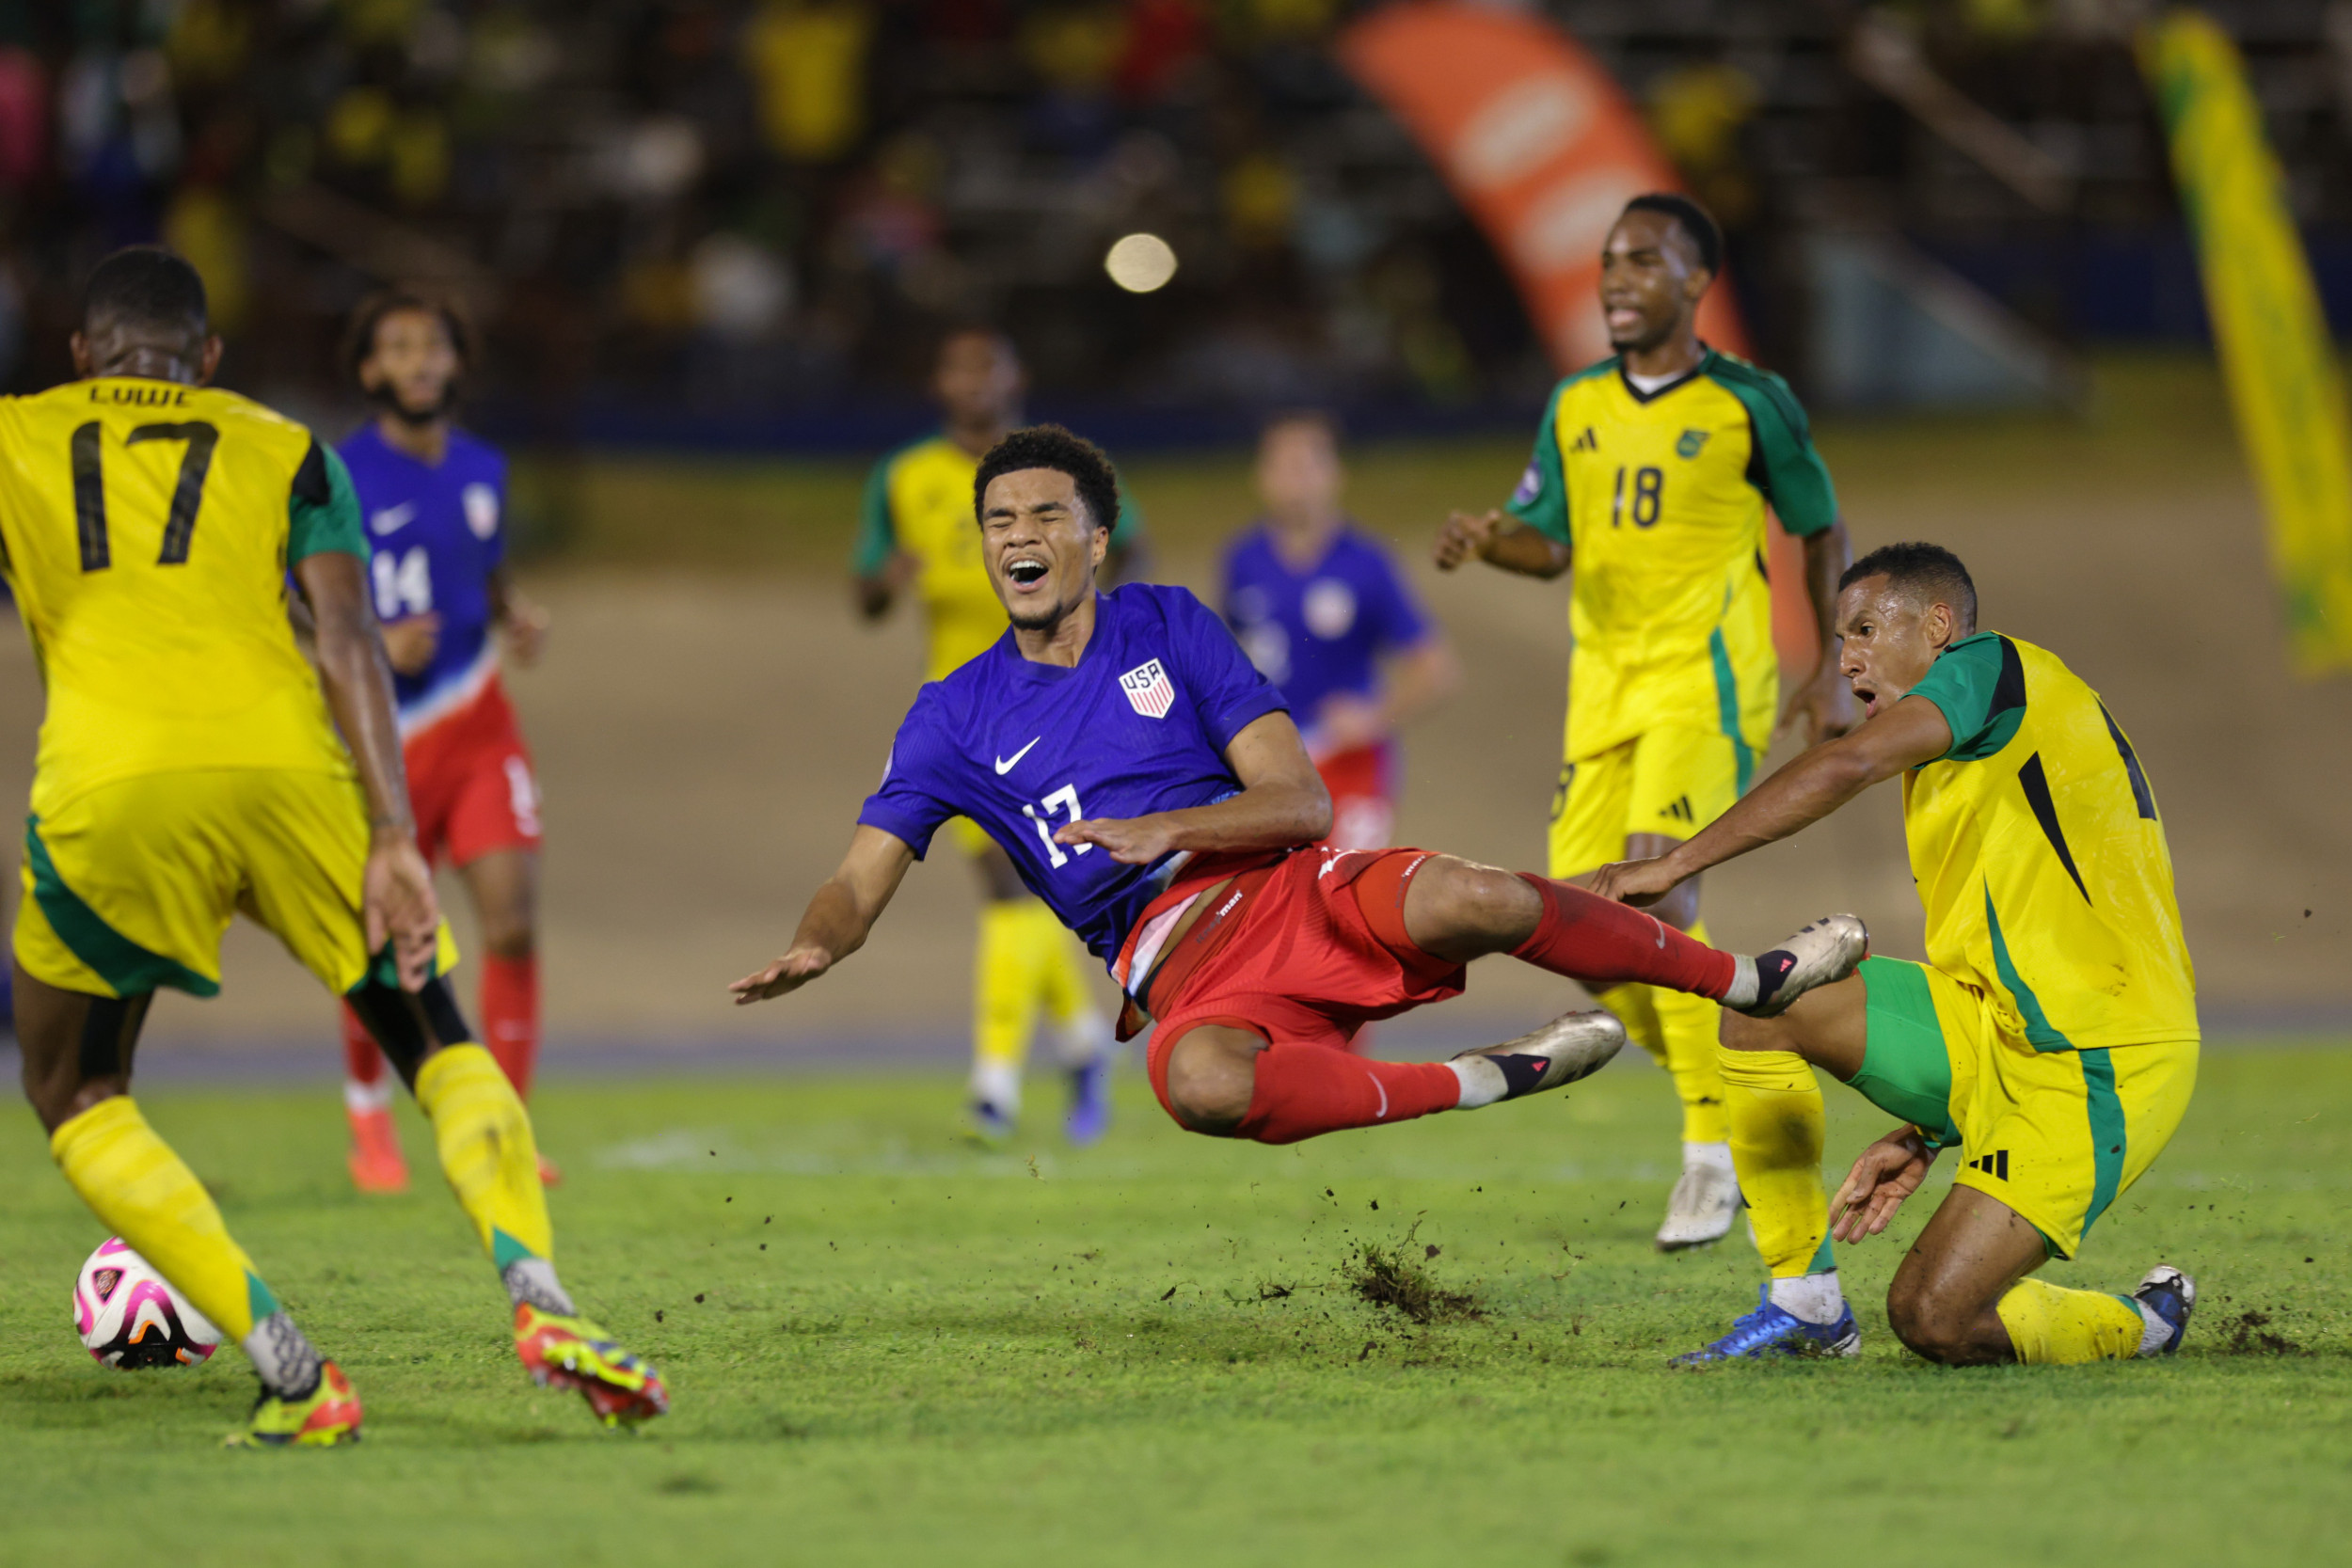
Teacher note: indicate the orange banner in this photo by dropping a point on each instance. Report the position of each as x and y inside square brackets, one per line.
[1544, 150]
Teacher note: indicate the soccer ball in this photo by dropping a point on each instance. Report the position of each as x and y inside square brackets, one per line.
[130, 1316]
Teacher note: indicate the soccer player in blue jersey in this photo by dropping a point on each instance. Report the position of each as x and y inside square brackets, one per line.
[1323, 613]
[1151, 788]
[435, 500]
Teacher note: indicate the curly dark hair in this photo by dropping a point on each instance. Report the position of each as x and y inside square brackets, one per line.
[1925, 572]
[1049, 446]
[1707, 235]
[359, 337]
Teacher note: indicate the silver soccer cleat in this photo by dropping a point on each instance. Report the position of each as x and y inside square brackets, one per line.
[1824, 951]
[1704, 1204]
[1572, 1046]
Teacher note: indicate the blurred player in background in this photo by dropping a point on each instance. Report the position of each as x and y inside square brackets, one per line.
[1320, 609]
[915, 531]
[1650, 476]
[435, 500]
[1153, 790]
[2052, 1034]
[189, 768]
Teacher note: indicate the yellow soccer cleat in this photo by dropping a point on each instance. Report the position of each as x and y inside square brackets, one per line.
[330, 1416]
[573, 1353]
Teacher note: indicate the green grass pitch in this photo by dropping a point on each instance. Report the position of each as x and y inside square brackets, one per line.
[884, 1347]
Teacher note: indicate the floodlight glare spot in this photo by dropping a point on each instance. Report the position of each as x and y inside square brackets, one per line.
[1141, 263]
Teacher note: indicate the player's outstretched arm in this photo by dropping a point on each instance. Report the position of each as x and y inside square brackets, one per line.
[1499, 541]
[838, 917]
[1282, 803]
[1907, 735]
[1823, 708]
[396, 897]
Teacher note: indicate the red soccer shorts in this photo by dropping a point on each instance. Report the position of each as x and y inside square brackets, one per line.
[1364, 807]
[470, 783]
[1318, 953]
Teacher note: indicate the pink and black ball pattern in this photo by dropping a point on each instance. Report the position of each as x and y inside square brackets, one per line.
[129, 1317]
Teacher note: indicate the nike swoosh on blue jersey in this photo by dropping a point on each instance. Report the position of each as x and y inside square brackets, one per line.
[1005, 764]
[393, 518]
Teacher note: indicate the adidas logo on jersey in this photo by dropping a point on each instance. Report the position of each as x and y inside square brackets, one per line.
[1679, 810]
[1994, 1165]
[1585, 442]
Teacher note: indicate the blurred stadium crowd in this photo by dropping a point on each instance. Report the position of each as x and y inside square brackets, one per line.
[675, 206]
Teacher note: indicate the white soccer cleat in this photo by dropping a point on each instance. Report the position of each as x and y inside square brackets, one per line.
[1824, 951]
[1572, 1046]
[1704, 1204]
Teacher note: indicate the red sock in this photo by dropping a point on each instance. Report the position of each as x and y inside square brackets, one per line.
[1586, 937]
[363, 1064]
[510, 1015]
[1305, 1090]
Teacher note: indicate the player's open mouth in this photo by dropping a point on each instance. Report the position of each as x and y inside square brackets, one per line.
[1025, 573]
[1868, 698]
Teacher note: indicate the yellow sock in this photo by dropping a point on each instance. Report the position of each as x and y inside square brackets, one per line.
[484, 1135]
[1691, 1026]
[2051, 1325]
[1019, 937]
[148, 1196]
[1774, 1113]
[1636, 1007]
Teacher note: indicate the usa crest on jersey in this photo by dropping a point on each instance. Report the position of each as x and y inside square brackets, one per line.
[1149, 690]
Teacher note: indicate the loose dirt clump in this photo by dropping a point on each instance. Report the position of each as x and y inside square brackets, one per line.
[1393, 1277]
[2250, 1334]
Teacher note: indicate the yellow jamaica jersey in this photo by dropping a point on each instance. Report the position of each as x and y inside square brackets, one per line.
[148, 527]
[1660, 497]
[919, 499]
[2041, 859]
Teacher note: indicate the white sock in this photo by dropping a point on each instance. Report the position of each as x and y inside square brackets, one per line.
[1814, 1298]
[2156, 1335]
[997, 1084]
[1707, 1157]
[533, 1280]
[1083, 1038]
[1744, 983]
[282, 1356]
[360, 1099]
[1483, 1083]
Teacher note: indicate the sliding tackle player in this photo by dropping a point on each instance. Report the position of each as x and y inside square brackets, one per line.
[2052, 1033]
[1151, 788]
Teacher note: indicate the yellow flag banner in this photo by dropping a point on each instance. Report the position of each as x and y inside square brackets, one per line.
[2286, 384]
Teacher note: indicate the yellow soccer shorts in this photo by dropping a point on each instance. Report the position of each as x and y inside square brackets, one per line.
[129, 886]
[2055, 1135]
[1673, 779]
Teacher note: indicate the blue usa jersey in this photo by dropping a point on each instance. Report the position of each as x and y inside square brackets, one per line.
[1322, 630]
[435, 535]
[1140, 725]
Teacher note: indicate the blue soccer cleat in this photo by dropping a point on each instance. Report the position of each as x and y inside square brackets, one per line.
[2171, 1295]
[1772, 1331]
[1090, 1103]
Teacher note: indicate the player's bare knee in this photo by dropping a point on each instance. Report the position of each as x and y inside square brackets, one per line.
[1932, 1324]
[1739, 1032]
[511, 937]
[1211, 1075]
[1456, 905]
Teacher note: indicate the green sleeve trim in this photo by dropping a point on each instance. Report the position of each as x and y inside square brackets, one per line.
[1787, 469]
[1541, 500]
[323, 517]
[877, 537]
[1979, 685]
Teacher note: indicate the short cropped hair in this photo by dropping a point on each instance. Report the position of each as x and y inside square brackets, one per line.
[147, 285]
[1049, 446]
[956, 332]
[359, 336]
[1929, 573]
[1707, 235]
[1314, 419]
